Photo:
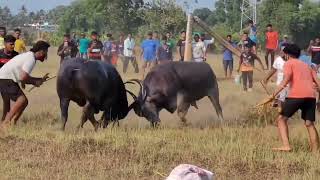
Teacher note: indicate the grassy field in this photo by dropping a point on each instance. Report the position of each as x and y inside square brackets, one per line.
[240, 148]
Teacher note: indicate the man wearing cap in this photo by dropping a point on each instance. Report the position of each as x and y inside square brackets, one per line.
[18, 70]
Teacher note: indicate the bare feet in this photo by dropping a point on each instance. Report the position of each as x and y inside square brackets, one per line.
[282, 149]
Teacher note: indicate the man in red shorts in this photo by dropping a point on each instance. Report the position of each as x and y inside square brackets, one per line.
[272, 41]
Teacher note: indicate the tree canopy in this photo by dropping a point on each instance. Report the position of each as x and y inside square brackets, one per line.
[297, 18]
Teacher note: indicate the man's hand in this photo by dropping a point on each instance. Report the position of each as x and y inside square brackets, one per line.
[38, 82]
[45, 77]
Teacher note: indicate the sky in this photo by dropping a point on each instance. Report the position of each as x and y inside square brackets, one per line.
[35, 5]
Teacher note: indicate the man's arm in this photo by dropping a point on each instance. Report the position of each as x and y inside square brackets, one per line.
[60, 50]
[283, 84]
[240, 62]
[260, 62]
[27, 79]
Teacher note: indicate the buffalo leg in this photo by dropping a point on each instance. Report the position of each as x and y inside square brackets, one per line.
[183, 108]
[64, 106]
[90, 115]
[214, 98]
[84, 116]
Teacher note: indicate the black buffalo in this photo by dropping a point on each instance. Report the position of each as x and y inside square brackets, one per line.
[176, 86]
[94, 85]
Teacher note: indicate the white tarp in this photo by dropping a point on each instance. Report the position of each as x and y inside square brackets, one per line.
[190, 172]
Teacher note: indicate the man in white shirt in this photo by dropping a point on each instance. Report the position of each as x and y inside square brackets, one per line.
[16, 71]
[198, 49]
[277, 67]
[206, 42]
[128, 53]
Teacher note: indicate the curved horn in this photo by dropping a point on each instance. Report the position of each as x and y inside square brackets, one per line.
[129, 82]
[145, 94]
[133, 96]
[139, 82]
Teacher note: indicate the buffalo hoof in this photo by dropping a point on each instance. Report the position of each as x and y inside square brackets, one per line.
[155, 124]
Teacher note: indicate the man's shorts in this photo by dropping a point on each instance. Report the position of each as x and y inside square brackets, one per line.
[150, 60]
[10, 89]
[228, 64]
[306, 105]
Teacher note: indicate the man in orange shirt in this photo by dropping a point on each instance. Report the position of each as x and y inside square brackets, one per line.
[302, 96]
[272, 41]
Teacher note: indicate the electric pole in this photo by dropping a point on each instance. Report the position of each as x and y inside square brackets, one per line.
[248, 11]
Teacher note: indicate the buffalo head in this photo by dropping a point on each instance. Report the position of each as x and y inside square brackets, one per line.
[144, 105]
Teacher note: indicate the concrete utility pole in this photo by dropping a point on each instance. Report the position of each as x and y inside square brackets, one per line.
[188, 46]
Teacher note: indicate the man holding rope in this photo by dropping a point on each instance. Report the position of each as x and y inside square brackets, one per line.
[302, 95]
[16, 71]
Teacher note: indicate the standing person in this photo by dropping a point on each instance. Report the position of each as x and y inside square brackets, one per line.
[164, 52]
[18, 70]
[8, 52]
[67, 49]
[3, 33]
[302, 96]
[170, 43]
[206, 42]
[284, 42]
[107, 47]
[149, 50]
[95, 47]
[84, 46]
[114, 52]
[314, 50]
[228, 58]
[246, 67]
[74, 38]
[272, 41]
[278, 67]
[245, 40]
[121, 46]
[155, 37]
[198, 49]
[128, 53]
[253, 31]
[20, 45]
[181, 45]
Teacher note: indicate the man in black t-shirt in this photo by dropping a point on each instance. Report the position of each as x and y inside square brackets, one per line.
[247, 41]
[68, 49]
[8, 52]
[181, 45]
[95, 51]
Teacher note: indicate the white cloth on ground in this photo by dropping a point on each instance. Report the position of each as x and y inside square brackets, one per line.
[190, 172]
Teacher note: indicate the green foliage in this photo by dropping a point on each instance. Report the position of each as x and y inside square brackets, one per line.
[297, 18]
[162, 16]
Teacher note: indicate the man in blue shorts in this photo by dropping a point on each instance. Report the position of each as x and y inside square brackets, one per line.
[228, 58]
[149, 49]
